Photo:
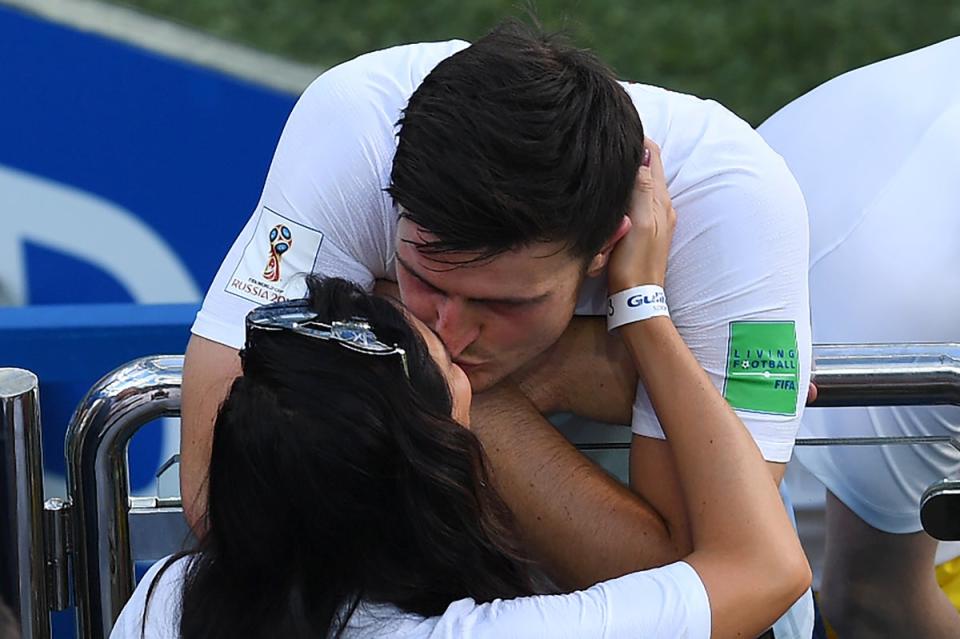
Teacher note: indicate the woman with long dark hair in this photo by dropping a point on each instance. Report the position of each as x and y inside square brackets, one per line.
[348, 497]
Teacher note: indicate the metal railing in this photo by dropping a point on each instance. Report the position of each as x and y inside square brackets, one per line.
[887, 374]
[97, 481]
[101, 519]
[22, 471]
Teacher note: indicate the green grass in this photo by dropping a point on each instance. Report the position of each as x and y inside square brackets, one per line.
[752, 55]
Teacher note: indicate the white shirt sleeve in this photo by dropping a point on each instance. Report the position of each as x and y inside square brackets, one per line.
[323, 208]
[738, 294]
[736, 280]
[666, 603]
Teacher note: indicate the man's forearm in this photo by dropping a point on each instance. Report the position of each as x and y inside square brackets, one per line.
[653, 469]
[587, 372]
[576, 519]
[208, 370]
[590, 373]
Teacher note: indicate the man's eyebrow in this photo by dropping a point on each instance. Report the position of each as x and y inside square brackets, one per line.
[412, 272]
[483, 300]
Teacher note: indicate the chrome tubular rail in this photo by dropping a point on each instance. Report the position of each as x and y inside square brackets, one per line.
[22, 473]
[876, 375]
[887, 374]
[97, 480]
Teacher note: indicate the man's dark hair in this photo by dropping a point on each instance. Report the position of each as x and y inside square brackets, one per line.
[519, 138]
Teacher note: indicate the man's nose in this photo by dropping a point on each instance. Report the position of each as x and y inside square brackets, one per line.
[456, 325]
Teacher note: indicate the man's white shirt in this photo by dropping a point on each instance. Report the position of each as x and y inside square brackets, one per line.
[736, 282]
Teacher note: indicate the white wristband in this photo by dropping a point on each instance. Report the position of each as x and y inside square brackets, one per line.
[636, 304]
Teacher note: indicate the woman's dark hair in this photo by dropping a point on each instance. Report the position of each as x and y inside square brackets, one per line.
[519, 138]
[333, 479]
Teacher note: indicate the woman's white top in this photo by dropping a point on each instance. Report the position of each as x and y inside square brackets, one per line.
[669, 603]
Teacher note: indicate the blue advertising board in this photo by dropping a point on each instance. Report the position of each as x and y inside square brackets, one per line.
[124, 177]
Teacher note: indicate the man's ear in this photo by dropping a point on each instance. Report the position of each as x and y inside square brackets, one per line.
[599, 261]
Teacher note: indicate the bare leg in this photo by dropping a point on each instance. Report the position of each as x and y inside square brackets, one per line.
[878, 584]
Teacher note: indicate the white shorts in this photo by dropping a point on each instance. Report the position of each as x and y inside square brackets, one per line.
[881, 484]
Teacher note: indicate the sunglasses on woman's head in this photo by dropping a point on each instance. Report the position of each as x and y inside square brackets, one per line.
[355, 334]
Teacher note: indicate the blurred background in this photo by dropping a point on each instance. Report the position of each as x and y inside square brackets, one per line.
[752, 55]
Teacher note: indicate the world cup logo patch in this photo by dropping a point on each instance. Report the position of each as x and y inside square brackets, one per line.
[280, 242]
[268, 267]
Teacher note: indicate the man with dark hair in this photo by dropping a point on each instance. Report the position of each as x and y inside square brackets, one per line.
[557, 160]
[495, 209]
